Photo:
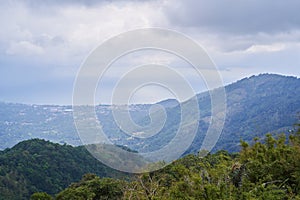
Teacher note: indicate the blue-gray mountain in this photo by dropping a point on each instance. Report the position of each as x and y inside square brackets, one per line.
[255, 106]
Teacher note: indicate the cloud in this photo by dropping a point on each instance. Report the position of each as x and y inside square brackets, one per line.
[266, 48]
[48, 40]
[52, 39]
[236, 17]
[242, 37]
[42, 3]
[35, 3]
[24, 48]
[72, 30]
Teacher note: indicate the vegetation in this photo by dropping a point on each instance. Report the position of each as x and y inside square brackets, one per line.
[255, 106]
[41, 166]
[93, 187]
[268, 169]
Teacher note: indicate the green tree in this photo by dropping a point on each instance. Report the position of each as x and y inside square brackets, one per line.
[41, 196]
[92, 187]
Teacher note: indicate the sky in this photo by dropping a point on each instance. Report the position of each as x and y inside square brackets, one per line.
[44, 43]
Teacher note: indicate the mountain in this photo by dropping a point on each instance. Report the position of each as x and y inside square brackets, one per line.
[255, 106]
[39, 165]
[169, 103]
[269, 169]
[258, 105]
[260, 170]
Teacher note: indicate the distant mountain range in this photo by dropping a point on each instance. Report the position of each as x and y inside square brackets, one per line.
[255, 106]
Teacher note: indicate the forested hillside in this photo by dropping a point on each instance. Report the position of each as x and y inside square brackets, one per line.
[39, 165]
[269, 169]
[264, 167]
[255, 106]
[258, 105]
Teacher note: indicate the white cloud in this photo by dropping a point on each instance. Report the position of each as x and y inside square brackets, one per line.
[24, 48]
[78, 28]
[266, 48]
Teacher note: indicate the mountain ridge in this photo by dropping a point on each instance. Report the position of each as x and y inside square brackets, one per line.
[261, 96]
[39, 165]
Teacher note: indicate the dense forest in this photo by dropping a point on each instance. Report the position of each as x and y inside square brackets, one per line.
[268, 168]
[39, 165]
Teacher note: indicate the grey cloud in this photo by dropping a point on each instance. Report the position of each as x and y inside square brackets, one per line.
[38, 3]
[42, 3]
[240, 17]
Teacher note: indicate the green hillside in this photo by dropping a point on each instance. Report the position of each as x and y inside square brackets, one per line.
[266, 170]
[39, 165]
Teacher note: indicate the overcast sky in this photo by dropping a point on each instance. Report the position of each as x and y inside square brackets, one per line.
[43, 43]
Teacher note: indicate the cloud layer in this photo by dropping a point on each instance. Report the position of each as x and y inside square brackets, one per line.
[43, 43]
[237, 17]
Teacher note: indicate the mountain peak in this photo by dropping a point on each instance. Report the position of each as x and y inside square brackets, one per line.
[168, 103]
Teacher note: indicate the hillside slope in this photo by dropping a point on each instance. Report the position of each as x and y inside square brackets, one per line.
[39, 165]
[255, 106]
[259, 104]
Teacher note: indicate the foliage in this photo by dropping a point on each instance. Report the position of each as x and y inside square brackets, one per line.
[92, 187]
[38, 165]
[40, 196]
[268, 169]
